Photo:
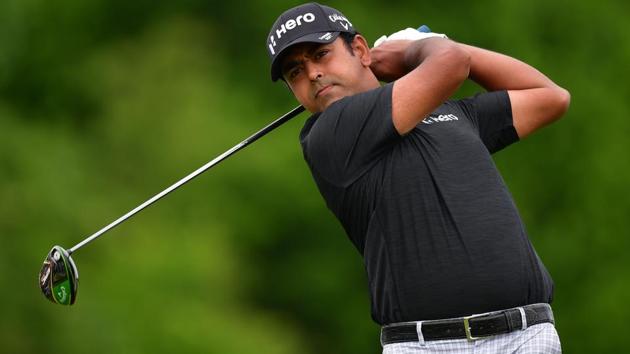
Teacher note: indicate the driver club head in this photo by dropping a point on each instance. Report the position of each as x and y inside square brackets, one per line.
[59, 278]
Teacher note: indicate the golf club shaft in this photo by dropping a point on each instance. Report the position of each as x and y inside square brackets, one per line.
[273, 125]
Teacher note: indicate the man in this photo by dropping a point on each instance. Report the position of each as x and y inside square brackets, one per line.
[410, 177]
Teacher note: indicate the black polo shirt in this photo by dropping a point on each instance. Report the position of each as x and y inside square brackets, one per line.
[429, 212]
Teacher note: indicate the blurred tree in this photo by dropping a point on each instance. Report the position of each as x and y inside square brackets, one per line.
[105, 103]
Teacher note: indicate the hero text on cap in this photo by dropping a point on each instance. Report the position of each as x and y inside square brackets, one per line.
[310, 22]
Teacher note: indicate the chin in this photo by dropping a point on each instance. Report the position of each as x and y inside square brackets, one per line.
[332, 100]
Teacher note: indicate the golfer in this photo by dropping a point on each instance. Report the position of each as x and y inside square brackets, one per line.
[409, 175]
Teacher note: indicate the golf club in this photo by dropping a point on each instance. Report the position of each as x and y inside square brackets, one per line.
[59, 277]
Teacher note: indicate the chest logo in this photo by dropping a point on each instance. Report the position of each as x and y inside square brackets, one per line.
[440, 118]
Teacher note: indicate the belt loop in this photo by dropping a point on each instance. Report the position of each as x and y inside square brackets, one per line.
[523, 318]
[420, 335]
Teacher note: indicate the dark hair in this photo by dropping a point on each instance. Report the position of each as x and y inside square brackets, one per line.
[348, 38]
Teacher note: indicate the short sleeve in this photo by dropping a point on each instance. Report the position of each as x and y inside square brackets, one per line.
[491, 113]
[351, 135]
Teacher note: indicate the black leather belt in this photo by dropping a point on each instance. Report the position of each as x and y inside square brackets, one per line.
[471, 327]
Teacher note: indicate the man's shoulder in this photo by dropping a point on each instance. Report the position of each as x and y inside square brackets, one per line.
[306, 128]
[358, 104]
[348, 111]
[352, 134]
[359, 101]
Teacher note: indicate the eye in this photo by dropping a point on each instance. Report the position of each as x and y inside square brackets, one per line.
[321, 53]
[294, 72]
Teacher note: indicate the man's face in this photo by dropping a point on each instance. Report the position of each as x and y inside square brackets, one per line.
[320, 74]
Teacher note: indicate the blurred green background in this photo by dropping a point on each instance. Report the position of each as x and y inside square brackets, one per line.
[105, 103]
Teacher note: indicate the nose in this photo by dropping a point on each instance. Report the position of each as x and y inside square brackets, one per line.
[313, 70]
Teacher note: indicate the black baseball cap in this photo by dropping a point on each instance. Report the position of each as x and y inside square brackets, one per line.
[310, 22]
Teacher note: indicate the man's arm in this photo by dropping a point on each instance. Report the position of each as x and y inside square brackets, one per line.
[536, 100]
[430, 71]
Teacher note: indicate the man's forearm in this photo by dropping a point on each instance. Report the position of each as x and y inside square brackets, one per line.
[495, 71]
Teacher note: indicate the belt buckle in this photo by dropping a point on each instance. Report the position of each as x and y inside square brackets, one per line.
[467, 326]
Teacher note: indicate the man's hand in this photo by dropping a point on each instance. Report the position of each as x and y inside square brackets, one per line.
[389, 61]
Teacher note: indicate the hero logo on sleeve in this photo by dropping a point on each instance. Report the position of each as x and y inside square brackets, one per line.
[440, 118]
[289, 25]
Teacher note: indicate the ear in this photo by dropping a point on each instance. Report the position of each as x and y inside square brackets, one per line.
[361, 49]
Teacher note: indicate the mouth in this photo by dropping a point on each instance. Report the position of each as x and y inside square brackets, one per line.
[323, 90]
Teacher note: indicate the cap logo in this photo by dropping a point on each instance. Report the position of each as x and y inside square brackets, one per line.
[326, 37]
[288, 26]
[336, 17]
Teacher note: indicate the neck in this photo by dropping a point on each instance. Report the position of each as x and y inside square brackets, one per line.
[369, 82]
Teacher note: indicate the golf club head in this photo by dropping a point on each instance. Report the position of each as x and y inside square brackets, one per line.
[59, 278]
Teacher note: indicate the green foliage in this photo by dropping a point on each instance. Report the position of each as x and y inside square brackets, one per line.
[105, 103]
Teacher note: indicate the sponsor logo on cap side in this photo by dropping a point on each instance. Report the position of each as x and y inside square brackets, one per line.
[337, 17]
[289, 25]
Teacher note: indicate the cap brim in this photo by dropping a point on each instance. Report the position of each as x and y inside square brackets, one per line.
[319, 37]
